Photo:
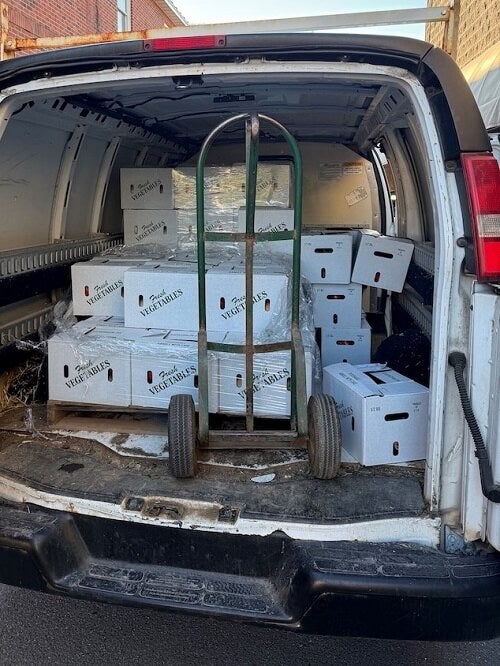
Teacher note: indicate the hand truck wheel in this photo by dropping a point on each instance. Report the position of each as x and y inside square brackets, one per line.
[182, 436]
[325, 438]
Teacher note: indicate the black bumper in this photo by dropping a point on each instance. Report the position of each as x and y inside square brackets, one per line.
[338, 588]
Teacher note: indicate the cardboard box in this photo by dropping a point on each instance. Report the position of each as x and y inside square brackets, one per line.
[327, 258]
[164, 364]
[98, 320]
[225, 186]
[146, 188]
[215, 220]
[150, 226]
[383, 414]
[272, 387]
[162, 296]
[337, 305]
[98, 286]
[346, 345]
[91, 366]
[225, 297]
[382, 261]
[270, 220]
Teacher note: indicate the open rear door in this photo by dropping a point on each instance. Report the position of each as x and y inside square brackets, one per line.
[481, 519]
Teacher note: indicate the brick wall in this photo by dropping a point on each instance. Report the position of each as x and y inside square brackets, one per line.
[146, 14]
[478, 28]
[50, 18]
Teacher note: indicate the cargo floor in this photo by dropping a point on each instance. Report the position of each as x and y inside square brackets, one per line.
[76, 466]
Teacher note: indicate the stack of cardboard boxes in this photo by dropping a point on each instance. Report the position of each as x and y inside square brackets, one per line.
[138, 346]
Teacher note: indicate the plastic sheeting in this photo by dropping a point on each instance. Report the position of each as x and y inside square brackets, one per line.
[483, 76]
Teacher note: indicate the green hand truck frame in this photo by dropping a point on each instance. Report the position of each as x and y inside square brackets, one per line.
[314, 424]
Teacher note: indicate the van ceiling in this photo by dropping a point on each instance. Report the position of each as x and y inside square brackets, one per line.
[186, 109]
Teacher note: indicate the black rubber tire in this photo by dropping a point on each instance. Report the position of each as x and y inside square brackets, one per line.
[182, 437]
[325, 437]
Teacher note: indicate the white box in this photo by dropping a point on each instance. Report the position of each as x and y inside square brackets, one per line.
[346, 345]
[91, 366]
[146, 188]
[270, 220]
[164, 365]
[162, 296]
[383, 414]
[98, 320]
[97, 286]
[382, 261]
[150, 226]
[272, 387]
[225, 186]
[337, 305]
[226, 303]
[215, 220]
[327, 258]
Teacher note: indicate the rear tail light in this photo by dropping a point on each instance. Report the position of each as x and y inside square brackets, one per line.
[183, 43]
[482, 178]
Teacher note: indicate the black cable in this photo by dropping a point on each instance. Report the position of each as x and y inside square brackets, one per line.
[491, 491]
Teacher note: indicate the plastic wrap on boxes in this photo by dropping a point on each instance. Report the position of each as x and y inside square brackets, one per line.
[91, 365]
[103, 363]
[165, 363]
[225, 186]
[271, 382]
[145, 251]
[216, 219]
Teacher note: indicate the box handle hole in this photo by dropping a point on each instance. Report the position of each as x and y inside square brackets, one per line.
[222, 303]
[397, 416]
[110, 374]
[141, 300]
[335, 297]
[384, 255]
[345, 343]
[195, 381]
[149, 376]
[86, 290]
[324, 250]
[395, 448]
[239, 380]
[377, 276]
[323, 273]
[66, 371]
[335, 319]
[267, 304]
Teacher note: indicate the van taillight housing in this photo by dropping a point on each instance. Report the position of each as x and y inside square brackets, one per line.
[482, 178]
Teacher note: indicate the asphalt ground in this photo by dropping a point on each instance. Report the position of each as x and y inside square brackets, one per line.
[38, 629]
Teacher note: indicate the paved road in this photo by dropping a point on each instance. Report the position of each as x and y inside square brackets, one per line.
[38, 629]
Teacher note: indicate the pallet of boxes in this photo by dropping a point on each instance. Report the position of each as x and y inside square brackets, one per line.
[136, 344]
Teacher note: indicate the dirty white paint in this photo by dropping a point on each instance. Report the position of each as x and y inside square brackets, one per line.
[421, 530]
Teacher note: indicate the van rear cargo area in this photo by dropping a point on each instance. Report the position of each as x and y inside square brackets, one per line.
[63, 152]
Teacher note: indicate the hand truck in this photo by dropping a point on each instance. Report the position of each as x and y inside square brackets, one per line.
[314, 424]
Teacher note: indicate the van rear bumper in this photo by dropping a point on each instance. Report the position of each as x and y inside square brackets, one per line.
[338, 588]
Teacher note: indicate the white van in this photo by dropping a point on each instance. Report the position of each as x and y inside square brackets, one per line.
[407, 550]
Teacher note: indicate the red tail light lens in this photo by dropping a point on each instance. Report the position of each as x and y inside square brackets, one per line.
[183, 43]
[482, 177]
